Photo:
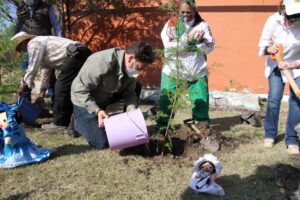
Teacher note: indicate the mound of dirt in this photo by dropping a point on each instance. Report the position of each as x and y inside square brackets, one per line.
[184, 143]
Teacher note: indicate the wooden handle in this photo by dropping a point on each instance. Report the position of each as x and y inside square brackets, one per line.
[292, 82]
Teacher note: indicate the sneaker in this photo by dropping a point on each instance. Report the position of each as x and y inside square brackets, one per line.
[269, 143]
[52, 127]
[293, 149]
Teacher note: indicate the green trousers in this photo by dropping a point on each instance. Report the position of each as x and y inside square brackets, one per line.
[198, 95]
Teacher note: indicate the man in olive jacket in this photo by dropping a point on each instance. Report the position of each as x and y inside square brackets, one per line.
[106, 77]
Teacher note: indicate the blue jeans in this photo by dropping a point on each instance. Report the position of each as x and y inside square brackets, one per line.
[87, 125]
[276, 89]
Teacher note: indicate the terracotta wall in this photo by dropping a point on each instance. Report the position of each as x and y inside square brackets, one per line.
[236, 26]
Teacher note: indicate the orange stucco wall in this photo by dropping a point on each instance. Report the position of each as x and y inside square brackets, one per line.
[235, 24]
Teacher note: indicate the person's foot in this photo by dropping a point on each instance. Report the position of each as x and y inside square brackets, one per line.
[73, 133]
[293, 149]
[52, 127]
[269, 142]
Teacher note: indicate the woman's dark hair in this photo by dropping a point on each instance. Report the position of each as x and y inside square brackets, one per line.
[281, 7]
[142, 51]
[197, 16]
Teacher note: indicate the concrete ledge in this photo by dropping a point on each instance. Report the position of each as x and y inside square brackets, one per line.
[217, 99]
[234, 100]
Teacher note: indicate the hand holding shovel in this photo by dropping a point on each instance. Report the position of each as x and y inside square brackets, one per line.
[278, 58]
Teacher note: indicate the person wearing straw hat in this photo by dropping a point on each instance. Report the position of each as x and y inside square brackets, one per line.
[282, 27]
[46, 53]
[106, 77]
[38, 18]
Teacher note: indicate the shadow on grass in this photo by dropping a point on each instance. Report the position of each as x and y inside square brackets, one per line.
[19, 196]
[69, 149]
[225, 123]
[266, 183]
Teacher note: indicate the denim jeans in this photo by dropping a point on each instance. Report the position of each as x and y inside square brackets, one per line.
[276, 89]
[87, 125]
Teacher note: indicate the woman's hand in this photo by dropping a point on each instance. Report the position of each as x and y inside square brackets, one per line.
[101, 116]
[286, 65]
[271, 50]
[196, 35]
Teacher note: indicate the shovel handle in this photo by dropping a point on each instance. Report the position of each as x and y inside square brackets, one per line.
[278, 58]
[197, 130]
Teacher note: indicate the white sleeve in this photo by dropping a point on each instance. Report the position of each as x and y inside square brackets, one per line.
[208, 43]
[35, 55]
[266, 36]
[45, 77]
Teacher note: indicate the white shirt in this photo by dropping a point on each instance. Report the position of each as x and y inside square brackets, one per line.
[193, 64]
[45, 53]
[275, 32]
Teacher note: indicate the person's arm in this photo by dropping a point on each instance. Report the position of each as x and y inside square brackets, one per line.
[289, 64]
[54, 22]
[266, 38]
[88, 79]
[18, 26]
[206, 41]
[130, 97]
[45, 79]
[35, 56]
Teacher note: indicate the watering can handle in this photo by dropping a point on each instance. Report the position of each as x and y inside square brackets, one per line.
[278, 58]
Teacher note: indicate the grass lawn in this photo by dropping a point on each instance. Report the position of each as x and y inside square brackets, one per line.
[75, 171]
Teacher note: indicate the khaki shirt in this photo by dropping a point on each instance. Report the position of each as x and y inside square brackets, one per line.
[100, 78]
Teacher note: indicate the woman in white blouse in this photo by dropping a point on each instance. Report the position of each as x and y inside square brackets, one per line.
[282, 27]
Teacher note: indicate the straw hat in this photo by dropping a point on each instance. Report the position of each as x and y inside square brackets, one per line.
[21, 37]
[292, 7]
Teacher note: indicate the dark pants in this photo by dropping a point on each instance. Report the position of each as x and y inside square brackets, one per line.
[63, 107]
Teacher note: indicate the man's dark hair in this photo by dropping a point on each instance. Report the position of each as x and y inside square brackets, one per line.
[142, 51]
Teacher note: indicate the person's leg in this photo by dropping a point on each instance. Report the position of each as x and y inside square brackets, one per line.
[276, 88]
[293, 118]
[63, 107]
[199, 96]
[165, 101]
[52, 86]
[87, 125]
